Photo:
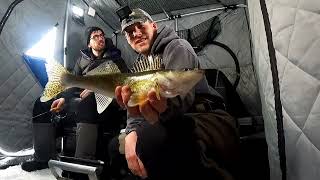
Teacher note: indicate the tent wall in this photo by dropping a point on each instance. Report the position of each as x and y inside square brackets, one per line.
[29, 21]
[295, 33]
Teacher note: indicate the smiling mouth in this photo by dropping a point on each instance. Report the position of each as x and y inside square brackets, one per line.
[140, 41]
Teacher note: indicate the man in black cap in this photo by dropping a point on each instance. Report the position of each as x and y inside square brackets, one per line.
[100, 51]
[161, 142]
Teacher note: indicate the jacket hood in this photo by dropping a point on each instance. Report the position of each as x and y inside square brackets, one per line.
[165, 35]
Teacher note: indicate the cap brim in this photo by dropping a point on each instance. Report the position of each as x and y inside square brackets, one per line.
[130, 23]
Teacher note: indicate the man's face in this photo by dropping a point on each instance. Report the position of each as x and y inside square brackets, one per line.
[140, 36]
[97, 41]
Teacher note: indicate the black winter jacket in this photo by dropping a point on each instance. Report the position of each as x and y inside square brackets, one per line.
[87, 61]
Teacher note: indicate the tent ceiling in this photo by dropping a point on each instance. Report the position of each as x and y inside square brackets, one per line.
[107, 8]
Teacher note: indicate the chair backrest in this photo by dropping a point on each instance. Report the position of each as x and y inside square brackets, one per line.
[234, 105]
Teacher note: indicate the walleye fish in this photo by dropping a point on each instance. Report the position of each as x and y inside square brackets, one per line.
[103, 81]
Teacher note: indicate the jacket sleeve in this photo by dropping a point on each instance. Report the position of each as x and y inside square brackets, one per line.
[121, 65]
[115, 55]
[77, 70]
[133, 124]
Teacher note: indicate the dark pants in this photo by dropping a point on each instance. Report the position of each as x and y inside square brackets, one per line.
[109, 121]
[180, 149]
[167, 151]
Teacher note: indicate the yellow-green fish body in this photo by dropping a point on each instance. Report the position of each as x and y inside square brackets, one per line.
[167, 83]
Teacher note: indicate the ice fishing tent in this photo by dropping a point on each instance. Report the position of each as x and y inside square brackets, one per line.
[276, 44]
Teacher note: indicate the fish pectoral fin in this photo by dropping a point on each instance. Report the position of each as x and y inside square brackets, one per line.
[168, 94]
[137, 98]
[102, 102]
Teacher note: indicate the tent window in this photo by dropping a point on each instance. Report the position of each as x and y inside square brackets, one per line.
[44, 49]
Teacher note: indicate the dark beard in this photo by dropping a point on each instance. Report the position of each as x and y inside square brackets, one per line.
[98, 49]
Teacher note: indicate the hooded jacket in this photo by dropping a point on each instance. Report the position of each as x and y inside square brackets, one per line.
[87, 61]
[176, 53]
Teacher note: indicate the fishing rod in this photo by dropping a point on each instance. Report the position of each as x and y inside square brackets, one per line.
[41, 114]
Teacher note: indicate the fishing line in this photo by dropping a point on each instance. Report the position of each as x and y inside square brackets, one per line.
[41, 114]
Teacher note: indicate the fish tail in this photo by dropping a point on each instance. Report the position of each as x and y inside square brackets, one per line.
[56, 75]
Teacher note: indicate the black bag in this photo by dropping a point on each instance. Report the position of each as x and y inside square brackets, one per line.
[218, 143]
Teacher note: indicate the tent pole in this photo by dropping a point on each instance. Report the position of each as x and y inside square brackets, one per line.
[176, 24]
[65, 50]
[201, 12]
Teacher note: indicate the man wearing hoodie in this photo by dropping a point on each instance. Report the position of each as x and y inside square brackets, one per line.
[161, 142]
[100, 51]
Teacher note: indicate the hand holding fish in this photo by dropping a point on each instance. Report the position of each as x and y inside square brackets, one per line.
[122, 94]
[152, 108]
[149, 109]
[85, 93]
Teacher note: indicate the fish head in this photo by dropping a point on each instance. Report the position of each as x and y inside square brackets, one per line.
[178, 82]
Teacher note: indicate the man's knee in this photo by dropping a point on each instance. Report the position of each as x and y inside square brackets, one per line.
[152, 140]
[41, 112]
[87, 110]
[113, 148]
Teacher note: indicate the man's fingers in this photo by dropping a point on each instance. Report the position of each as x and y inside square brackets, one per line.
[159, 105]
[57, 105]
[125, 97]
[143, 172]
[125, 94]
[119, 96]
[136, 167]
[134, 111]
[133, 165]
[85, 93]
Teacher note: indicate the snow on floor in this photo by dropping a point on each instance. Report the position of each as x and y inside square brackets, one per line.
[16, 173]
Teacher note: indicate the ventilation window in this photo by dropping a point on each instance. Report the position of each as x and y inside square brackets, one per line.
[44, 49]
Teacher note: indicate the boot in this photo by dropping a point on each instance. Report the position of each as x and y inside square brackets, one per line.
[44, 143]
[87, 135]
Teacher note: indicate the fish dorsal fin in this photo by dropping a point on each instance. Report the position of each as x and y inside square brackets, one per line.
[55, 70]
[105, 68]
[102, 102]
[147, 64]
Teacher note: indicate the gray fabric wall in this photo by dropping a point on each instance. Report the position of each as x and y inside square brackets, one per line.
[29, 21]
[295, 35]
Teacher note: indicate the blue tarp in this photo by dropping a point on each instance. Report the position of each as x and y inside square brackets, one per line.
[38, 68]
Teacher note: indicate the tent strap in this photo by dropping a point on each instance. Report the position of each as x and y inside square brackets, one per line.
[7, 14]
[276, 89]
